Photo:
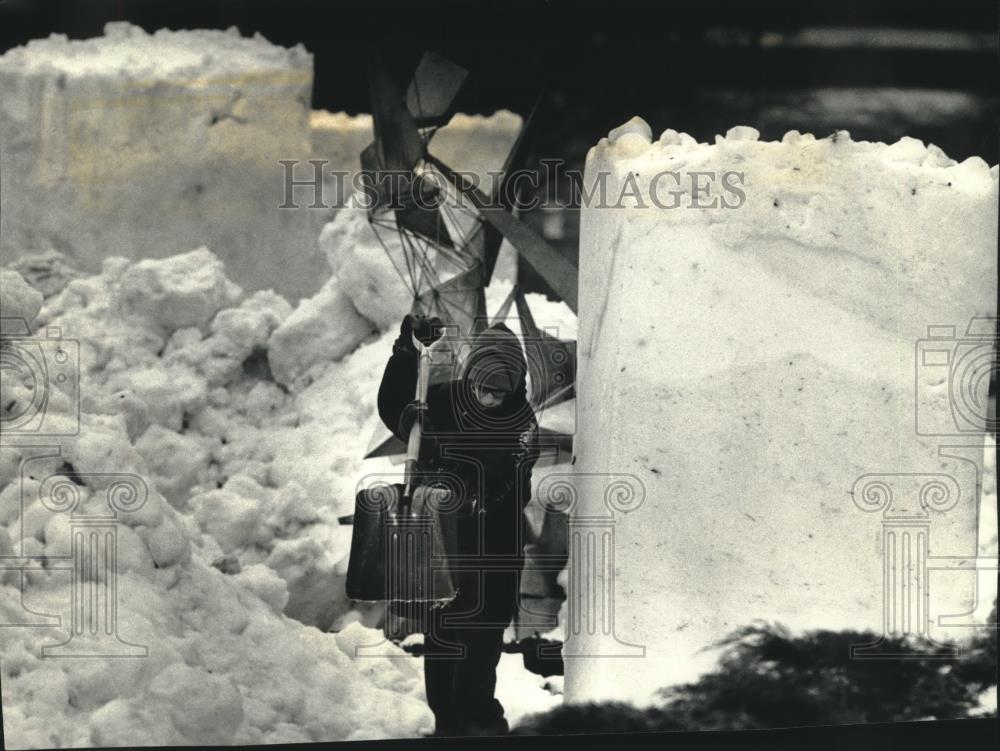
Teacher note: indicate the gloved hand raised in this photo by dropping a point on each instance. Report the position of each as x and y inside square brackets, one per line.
[426, 330]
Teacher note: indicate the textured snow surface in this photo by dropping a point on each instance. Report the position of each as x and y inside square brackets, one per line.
[247, 421]
[239, 531]
[21, 301]
[127, 51]
[751, 366]
[523, 693]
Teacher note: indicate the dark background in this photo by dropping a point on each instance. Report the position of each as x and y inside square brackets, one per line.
[878, 69]
[697, 66]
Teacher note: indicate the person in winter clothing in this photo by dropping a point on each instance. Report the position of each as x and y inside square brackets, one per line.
[479, 431]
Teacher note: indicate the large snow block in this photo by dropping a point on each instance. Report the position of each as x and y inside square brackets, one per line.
[337, 142]
[784, 358]
[147, 145]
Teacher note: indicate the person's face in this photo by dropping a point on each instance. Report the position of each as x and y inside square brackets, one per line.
[488, 398]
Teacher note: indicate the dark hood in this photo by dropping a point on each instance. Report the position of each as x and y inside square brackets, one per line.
[496, 360]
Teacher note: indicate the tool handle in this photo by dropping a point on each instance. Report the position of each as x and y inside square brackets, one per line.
[413, 445]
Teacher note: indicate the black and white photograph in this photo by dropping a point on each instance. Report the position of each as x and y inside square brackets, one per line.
[497, 374]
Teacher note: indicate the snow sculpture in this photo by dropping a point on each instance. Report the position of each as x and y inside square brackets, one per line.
[776, 338]
[135, 143]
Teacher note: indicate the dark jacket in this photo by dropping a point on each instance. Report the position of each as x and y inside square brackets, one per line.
[489, 454]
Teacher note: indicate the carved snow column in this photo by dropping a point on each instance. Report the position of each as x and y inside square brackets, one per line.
[764, 328]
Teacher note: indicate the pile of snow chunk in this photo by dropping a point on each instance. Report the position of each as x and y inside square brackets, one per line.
[185, 360]
[176, 392]
[238, 550]
[175, 293]
[222, 668]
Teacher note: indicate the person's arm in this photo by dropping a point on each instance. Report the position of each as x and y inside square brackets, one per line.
[399, 380]
[399, 385]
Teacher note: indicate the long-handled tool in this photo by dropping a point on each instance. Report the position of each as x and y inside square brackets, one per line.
[416, 431]
[397, 546]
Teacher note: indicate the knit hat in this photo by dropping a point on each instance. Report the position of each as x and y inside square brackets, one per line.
[496, 360]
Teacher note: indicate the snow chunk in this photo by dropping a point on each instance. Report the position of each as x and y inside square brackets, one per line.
[168, 543]
[205, 708]
[907, 149]
[177, 461]
[671, 137]
[266, 584]
[251, 324]
[635, 127]
[322, 329]
[936, 158]
[20, 302]
[793, 137]
[47, 272]
[124, 402]
[974, 169]
[742, 133]
[233, 520]
[170, 392]
[365, 269]
[182, 290]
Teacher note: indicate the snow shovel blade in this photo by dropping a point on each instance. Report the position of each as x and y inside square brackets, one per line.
[396, 556]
